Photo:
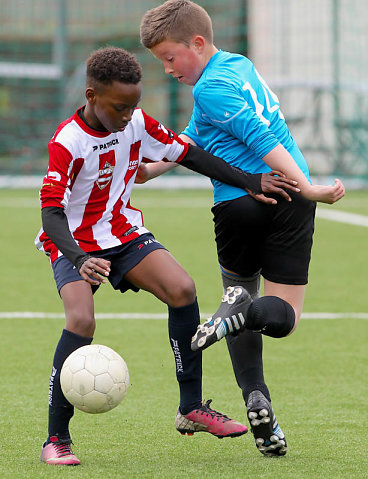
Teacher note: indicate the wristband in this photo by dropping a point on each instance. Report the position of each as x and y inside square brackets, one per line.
[81, 260]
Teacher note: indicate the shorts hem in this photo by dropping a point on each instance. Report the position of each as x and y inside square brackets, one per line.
[283, 280]
[124, 285]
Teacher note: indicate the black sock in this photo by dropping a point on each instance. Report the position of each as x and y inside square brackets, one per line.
[183, 324]
[60, 410]
[246, 357]
[271, 316]
[246, 349]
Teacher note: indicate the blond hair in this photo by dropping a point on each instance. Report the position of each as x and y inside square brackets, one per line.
[177, 21]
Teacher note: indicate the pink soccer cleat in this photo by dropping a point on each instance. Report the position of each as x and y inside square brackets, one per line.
[58, 453]
[208, 420]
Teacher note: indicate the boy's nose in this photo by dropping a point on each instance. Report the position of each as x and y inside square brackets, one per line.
[127, 115]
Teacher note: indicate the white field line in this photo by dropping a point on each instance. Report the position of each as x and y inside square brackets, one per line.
[342, 217]
[160, 316]
[323, 213]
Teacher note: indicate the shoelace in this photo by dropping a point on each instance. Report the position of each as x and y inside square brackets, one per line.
[63, 449]
[211, 412]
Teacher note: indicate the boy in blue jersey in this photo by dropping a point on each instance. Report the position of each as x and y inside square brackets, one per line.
[238, 118]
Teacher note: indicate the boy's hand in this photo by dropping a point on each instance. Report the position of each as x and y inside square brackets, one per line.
[91, 267]
[325, 194]
[275, 182]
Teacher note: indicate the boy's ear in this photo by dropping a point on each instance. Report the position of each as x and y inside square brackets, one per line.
[199, 42]
[90, 94]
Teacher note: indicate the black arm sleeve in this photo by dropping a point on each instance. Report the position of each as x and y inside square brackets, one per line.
[216, 168]
[55, 225]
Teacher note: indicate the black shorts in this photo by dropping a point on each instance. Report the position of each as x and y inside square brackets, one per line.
[123, 258]
[273, 239]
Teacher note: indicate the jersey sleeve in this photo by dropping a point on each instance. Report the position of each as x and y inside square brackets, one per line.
[191, 131]
[225, 108]
[55, 183]
[161, 143]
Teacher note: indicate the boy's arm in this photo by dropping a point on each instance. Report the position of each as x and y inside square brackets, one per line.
[280, 159]
[55, 224]
[148, 171]
[268, 181]
[206, 164]
[216, 168]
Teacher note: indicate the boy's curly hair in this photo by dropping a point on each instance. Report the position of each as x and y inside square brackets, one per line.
[109, 64]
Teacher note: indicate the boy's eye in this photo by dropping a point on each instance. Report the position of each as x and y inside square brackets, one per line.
[120, 109]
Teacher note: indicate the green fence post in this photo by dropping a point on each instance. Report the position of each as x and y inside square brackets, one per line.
[336, 86]
[60, 54]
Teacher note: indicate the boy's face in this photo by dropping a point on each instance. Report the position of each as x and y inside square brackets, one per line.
[185, 63]
[111, 107]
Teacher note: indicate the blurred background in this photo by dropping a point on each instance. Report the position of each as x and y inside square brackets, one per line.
[311, 53]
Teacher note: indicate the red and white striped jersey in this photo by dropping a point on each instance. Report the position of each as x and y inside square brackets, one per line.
[91, 175]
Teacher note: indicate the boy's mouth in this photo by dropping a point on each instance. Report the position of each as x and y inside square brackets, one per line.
[122, 127]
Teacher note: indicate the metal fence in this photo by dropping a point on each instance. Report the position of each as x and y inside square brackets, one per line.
[311, 53]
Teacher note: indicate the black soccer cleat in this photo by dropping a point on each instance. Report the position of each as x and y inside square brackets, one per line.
[228, 319]
[268, 436]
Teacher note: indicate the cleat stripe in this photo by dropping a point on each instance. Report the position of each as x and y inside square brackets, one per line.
[241, 318]
[235, 322]
[221, 331]
[229, 324]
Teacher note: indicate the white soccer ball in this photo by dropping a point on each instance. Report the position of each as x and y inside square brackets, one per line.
[94, 378]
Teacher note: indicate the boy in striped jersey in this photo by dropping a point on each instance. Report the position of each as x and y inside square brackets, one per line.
[237, 117]
[92, 233]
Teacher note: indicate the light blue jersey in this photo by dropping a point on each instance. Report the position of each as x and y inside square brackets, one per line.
[238, 118]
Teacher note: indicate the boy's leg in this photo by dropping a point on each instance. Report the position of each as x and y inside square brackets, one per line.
[161, 274]
[282, 251]
[245, 350]
[292, 294]
[276, 314]
[78, 332]
[78, 305]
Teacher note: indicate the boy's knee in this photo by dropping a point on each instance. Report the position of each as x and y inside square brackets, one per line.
[181, 293]
[81, 322]
[271, 316]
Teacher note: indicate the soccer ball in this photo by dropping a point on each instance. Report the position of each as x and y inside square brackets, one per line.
[94, 378]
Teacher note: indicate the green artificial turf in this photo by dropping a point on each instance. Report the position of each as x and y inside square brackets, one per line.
[317, 376]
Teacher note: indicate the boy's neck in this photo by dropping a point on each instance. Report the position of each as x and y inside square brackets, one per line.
[82, 116]
[210, 51]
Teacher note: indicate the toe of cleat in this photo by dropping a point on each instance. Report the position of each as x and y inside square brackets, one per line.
[272, 448]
